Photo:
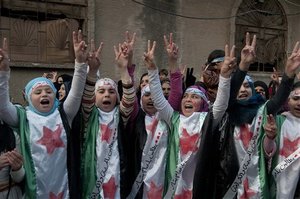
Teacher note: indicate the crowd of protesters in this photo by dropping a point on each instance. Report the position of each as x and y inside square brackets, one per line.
[87, 136]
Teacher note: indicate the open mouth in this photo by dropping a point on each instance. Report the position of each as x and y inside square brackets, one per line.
[107, 103]
[45, 102]
[188, 106]
[243, 96]
[297, 109]
[150, 104]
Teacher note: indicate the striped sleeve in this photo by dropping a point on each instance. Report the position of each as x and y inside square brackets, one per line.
[127, 102]
[88, 98]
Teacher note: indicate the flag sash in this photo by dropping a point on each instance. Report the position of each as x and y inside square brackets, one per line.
[233, 190]
[103, 168]
[150, 151]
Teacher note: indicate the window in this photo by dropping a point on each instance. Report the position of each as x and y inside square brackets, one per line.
[266, 19]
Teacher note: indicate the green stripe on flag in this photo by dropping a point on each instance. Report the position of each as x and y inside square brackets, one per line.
[30, 177]
[172, 151]
[89, 158]
[267, 182]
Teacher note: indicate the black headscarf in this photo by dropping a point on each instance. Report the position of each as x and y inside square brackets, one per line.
[7, 138]
[264, 86]
[67, 89]
[243, 111]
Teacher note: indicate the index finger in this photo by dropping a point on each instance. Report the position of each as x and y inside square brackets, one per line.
[296, 47]
[99, 50]
[171, 38]
[232, 51]
[247, 39]
[188, 71]
[253, 41]
[116, 51]
[191, 71]
[127, 37]
[226, 51]
[166, 41]
[80, 36]
[75, 37]
[153, 46]
[133, 38]
[4, 45]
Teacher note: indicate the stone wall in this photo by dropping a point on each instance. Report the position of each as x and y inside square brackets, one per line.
[196, 37]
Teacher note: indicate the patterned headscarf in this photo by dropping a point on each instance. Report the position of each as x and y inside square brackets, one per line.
[110, 82]
[145, 89]
[198, 90]
[35, 83]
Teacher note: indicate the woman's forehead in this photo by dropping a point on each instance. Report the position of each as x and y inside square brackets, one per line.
[41, 87]
[105, 87]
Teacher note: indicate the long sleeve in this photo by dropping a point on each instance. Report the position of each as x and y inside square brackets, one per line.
[8, 112]
[72, 103]
[136, 106]
[88, 98]
[127, 102]
[275, 103]
[161, 104]
[223, 94]
[176, 90]
[18, 175]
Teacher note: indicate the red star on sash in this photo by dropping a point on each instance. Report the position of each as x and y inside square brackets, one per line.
[152, 127]
[185, 194]
[106, 132]
[154, 192]
[188, 142]
[245, 135]
[289, 146]
[51, 139]
[109, 188]
[248, 193]
[53, 196]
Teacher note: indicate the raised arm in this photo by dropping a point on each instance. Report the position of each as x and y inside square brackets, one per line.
[285, 87]
[161, 104]
[270, 129]
[223, 93]
[248, 56]
[128, 97]
[175, 73]
[128, 46]
[88, 98]
[73, 100]
[8, 112]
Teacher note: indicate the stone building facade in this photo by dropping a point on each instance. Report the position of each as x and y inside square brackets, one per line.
[39, 32]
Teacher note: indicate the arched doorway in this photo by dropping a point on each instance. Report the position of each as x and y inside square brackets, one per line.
[266, 19]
